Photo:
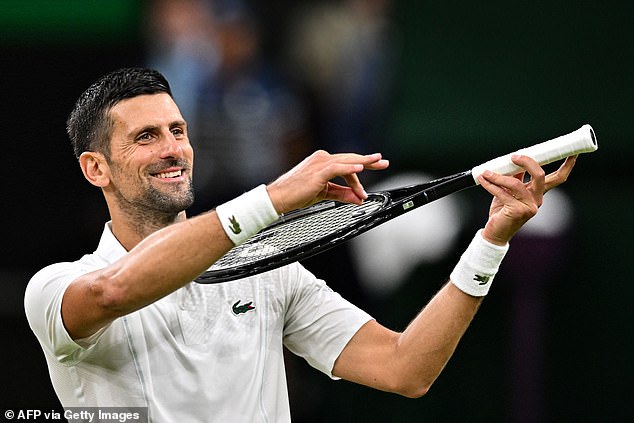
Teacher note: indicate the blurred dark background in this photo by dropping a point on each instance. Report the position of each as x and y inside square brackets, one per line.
[438, 87]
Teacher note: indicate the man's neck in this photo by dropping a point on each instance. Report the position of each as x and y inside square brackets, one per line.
[130, 230]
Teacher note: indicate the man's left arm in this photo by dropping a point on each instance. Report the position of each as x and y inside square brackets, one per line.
[409, 362]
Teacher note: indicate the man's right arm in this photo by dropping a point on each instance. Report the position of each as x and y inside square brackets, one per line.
[158, 265]
[172, 257]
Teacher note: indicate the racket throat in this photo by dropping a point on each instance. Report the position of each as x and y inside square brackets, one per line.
[452, 185]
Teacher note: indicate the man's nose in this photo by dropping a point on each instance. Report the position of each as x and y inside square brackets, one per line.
[171, 146]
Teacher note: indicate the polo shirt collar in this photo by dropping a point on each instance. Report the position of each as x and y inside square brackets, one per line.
[110, 249]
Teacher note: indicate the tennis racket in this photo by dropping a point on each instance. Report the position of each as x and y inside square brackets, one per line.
[324, 225]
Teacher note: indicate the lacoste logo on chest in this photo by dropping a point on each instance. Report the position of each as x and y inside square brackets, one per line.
[241, 309]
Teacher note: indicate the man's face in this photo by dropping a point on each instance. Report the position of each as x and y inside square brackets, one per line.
[150, 156]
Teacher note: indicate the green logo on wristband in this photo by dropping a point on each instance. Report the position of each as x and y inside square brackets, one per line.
[482, 279]
[234, 225]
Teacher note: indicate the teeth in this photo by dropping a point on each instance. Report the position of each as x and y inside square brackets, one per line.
[174, 174]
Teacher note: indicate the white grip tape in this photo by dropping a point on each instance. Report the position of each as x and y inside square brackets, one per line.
[477, 266]
[246, 215]
[580, 141]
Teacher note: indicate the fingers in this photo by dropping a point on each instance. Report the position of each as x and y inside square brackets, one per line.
[356, 187]
[344, 164]
[309, 181]
[343, 194]
[516, 201]
[513, 204]
[348, 166]
[376, 162]
[505, 188]
[551, 180]
[536, 172]
[560, 175]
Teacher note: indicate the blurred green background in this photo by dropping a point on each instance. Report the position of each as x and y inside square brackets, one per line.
[468, 81]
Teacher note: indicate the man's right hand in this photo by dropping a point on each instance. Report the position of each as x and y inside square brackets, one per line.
[309, 181]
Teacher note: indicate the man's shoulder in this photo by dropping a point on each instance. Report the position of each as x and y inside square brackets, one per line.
[86, 263]
[57, 276]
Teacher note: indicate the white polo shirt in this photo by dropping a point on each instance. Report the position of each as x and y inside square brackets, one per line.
[205, 353]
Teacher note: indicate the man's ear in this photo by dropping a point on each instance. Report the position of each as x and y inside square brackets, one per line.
[95, 168]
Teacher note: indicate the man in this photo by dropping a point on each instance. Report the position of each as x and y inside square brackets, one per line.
[125, 326]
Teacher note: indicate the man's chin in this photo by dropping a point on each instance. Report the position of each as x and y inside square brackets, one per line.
[172, 203]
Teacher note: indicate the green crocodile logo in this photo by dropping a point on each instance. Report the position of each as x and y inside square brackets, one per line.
[482, 279]
[234, 225]
[239, 309]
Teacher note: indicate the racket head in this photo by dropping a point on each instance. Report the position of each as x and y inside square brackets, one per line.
[297, 236]
[310, 231]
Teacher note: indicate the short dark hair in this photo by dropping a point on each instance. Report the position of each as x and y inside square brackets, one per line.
[89, 125]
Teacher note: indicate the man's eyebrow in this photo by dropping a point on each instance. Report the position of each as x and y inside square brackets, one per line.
[178, 123]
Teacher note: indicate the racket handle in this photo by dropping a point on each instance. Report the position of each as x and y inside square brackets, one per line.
[580, 141]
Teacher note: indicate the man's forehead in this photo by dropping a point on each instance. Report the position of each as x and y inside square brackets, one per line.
[148, 109]
[145, 102]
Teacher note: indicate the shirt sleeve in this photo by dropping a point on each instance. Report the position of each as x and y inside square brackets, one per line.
[319, 322]
[43, 305]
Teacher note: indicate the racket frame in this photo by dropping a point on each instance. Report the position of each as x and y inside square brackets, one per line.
[395, 203]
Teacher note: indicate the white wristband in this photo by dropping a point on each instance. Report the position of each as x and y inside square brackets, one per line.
[478, 265]
[246, 215]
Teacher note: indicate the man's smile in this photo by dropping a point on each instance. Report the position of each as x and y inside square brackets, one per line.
[176, 172]
[169, 174]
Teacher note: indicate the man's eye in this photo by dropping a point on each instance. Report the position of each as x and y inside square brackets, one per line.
[177, 131]
[146, 136]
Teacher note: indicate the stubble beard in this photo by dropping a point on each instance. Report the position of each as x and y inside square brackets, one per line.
[168, 203]
[153, 208]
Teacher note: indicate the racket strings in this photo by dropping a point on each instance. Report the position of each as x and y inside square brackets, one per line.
[297, 232]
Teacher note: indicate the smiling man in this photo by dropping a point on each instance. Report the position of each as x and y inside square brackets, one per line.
[147, 167]
[125, 326]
